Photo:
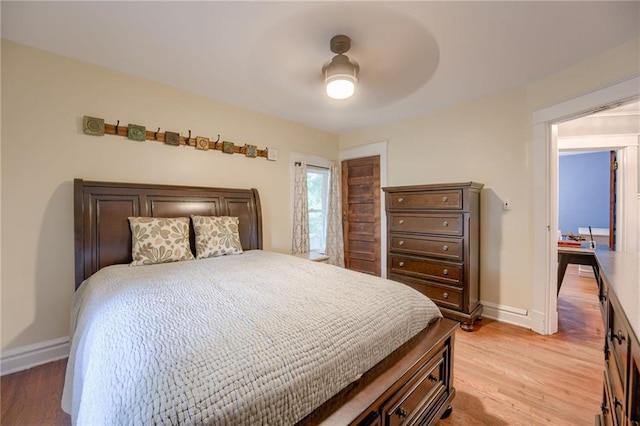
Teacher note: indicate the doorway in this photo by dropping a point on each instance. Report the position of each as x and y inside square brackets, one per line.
[587, 196]
[543, 315]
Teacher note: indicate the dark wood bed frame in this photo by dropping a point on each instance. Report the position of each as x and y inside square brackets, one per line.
[413, 385]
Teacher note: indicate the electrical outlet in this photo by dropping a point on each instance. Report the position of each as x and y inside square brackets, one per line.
[506, 204]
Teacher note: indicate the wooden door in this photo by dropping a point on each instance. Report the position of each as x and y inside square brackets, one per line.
[361, 214]
[613, 168]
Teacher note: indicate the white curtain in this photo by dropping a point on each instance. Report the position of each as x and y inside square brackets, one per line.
[335, 242]
[300, 240]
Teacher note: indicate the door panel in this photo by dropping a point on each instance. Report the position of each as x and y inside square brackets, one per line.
[613, 167]
[361, 214]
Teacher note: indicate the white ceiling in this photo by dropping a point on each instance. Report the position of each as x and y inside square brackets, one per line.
[267, 56]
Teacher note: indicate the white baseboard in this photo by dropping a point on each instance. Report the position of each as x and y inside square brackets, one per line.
[25, 357]
[508, 314]
[537, 322]
[585, 271]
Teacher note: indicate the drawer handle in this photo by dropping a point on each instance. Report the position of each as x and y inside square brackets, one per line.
[616, 402]
[605, 408]
[618, 336]
[445, 248]
[445, 295]
[401, 264]
[400, 200]
[445, 271]
[401, 221]
[445, 223]
[402, 413]
[445, 198]
[401, 242]
[432, 378]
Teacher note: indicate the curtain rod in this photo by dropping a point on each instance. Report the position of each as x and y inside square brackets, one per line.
[299, 163]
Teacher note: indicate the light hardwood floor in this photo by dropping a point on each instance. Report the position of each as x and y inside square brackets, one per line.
[504, 375]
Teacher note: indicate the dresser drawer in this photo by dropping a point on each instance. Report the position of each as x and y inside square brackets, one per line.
[450, 200]
[443, 295]
[441, 224]
[634, 388]
[603, 297]
[606, 419]
[449, 273]
[618, 342]
[414, 399]
[616, 394]
[445, 248]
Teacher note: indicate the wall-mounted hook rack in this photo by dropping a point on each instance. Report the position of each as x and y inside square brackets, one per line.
[157, 136]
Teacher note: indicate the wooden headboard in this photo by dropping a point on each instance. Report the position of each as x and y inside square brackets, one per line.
[101, 209]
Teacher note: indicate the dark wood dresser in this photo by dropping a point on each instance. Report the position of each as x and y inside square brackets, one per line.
[433, 245]
[619, 292]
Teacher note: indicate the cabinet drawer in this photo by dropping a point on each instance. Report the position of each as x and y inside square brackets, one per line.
[449, 273]
[451, 199]
[448, 297]
[603, 297]
[618, 342]
[415, 397]
[446, 248]
[616, 394]
[633, 392]
[606, 418]
[442, 224]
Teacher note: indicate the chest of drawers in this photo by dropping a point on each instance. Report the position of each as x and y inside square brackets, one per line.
[433, 244]
[619, 295]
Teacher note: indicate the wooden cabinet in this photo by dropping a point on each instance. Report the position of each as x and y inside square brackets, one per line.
[619, 298]
[433, 245]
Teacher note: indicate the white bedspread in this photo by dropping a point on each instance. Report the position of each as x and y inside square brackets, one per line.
[255, 338]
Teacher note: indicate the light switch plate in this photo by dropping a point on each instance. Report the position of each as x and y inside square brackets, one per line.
[272, 154]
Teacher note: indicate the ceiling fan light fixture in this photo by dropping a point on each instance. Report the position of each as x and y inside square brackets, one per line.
[341, 88]
[341, 74]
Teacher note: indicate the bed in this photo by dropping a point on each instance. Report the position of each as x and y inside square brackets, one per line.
[229, 340]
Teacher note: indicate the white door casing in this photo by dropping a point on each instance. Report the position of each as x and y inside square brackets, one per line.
[544, 316]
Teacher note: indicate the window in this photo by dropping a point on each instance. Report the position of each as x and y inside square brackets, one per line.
[318, 200]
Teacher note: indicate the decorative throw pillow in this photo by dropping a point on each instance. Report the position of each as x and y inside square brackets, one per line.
[159, 240]
[216, 236]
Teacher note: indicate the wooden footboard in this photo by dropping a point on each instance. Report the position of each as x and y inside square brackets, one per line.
[414, 385]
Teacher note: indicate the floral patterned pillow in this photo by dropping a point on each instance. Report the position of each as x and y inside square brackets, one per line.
[216, 236]
[159, 240]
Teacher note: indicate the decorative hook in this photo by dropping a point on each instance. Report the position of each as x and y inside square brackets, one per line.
[117, 125]
[215, 143]
[155, 135]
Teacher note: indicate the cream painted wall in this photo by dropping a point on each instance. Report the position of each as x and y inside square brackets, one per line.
[489, 140]
[480, 141]
[602, 70]
[44, 97]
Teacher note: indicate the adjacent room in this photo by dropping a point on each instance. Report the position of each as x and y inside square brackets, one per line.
[336, 212]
